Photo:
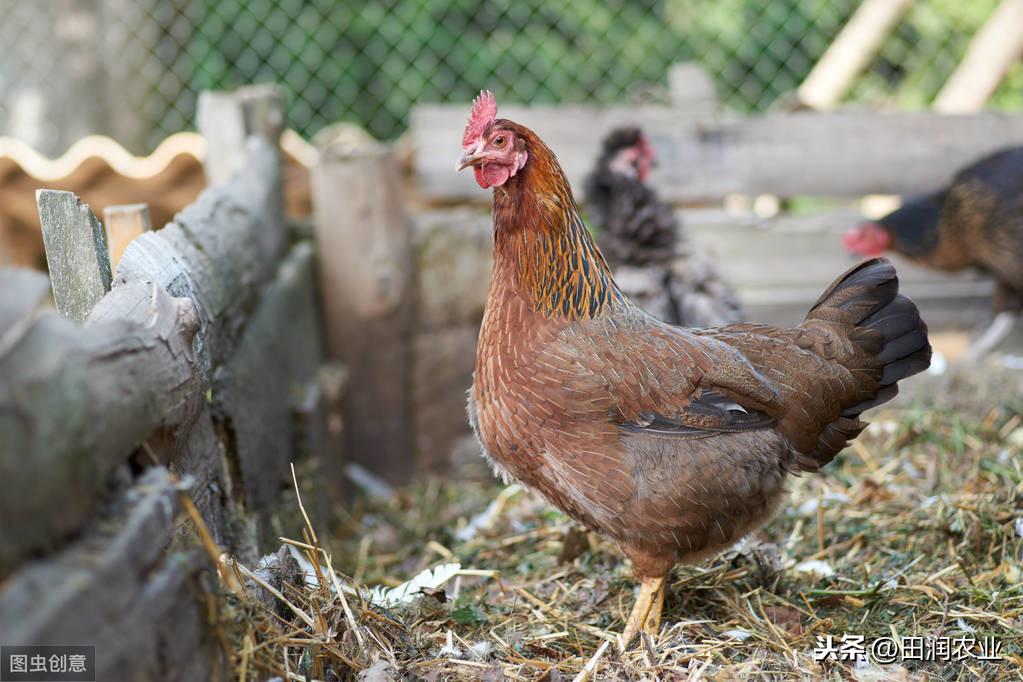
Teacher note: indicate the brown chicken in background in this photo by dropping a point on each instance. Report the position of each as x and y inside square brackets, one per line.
[976, 221]
[673, 442]
[655, 265]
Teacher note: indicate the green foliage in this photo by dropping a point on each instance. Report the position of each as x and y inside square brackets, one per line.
[467, 613]
[760, 50]
[370, 61]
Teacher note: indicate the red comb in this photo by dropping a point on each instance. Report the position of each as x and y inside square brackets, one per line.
[484, 110]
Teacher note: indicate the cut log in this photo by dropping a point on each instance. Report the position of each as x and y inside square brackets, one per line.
[121, 589]
[217, 251]
[75, 402]
[76, 253]
[365, 264]
[124, 223]
[201, 460]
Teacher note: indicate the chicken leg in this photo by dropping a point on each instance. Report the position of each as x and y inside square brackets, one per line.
[999, 330]
[646, 614]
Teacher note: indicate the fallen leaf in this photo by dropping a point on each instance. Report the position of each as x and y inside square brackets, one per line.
[785, 617]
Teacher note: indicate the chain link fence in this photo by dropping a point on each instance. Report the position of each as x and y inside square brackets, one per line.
[370, 62]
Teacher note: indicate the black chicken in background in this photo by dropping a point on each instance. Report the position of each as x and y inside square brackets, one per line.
[642, 239]
[975, 221]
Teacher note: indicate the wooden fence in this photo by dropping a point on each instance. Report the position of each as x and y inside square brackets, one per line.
[705, 158]
[191, 370]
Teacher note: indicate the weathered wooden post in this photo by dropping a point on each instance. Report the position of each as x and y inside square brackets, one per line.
[231, 122]
[227, 119]
[76, 253]
[993, 51]
[692, 89]
[850, 52]
[365, 276]
[124, 223]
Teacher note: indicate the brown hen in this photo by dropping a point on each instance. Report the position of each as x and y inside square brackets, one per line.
[673, 442]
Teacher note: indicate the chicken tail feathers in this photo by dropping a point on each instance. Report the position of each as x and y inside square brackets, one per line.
[889, 342]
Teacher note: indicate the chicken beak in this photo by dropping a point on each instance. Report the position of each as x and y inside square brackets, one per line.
[467, 159]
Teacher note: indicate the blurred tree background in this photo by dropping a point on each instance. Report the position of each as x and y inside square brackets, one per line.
[371, 61]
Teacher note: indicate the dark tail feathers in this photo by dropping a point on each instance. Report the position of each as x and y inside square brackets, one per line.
[886, 327]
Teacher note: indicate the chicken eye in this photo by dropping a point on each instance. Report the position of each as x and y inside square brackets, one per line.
[499, 141]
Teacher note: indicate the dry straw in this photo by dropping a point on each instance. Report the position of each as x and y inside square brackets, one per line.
[915, 531]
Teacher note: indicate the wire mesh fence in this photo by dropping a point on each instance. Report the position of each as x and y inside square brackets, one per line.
[371, 61]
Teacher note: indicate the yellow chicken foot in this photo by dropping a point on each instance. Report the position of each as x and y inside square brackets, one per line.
[653, 621]
[646, 614]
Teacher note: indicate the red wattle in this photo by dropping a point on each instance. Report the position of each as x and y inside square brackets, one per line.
[478, 172]
[491, 174]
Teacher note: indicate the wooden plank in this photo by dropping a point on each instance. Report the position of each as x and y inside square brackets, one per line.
[452, 254]
[444, 361]
[365, 261]
[842, 154]
[200, 458]
[121, 589]
[851, 51]
[779, 266]
[257, 388]
[76, 253]
[993, 51]
[228, 119]
[23, 292]
[124, 223]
